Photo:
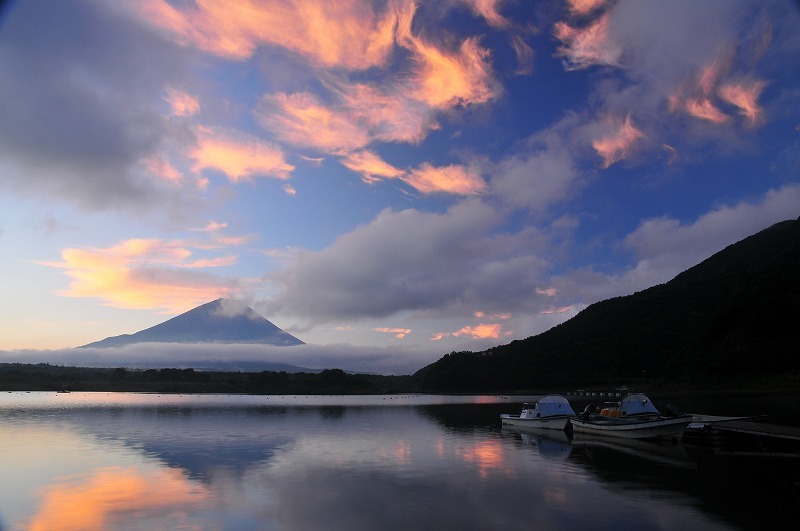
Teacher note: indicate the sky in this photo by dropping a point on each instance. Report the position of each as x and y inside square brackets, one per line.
[388, 181]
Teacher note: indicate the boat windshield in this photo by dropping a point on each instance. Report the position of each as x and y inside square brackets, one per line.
[554, 405]
[637, 404]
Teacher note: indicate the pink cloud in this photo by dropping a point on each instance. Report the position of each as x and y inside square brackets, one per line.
[744, 95]
[213, 226]
[370, 166]
[181, 103]
[550, 292]
[445, 79]
[163, 168]
[481, 331]
[705, 110]
[617, 145]
[524, 54]
[587, 46]
[502, 316]
[301, 119]
[488, 9]
[452, 179]
[347, 33]
[393, 116]
[239, 156]
[399, 333]
[562, 309]
[584, 7]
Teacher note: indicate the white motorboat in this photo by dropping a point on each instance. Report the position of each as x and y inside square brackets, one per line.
[634, 417]
[549, 412]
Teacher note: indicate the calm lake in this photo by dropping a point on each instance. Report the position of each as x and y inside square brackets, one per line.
[148, 461]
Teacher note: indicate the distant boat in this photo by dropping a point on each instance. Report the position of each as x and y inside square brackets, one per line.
[549, 412]
[633, 417]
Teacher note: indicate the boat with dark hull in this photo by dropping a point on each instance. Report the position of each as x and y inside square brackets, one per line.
[633, 417]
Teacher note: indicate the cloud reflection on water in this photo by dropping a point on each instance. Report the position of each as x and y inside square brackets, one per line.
[108, 496]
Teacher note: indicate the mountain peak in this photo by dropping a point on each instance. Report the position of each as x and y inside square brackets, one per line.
[218, 321]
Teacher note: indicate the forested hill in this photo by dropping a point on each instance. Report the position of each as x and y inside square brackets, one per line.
[732, 321]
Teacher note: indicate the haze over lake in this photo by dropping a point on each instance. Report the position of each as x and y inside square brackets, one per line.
[149, 461]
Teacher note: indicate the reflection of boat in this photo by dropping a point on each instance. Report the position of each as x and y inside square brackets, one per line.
[552, 444]
[634, 417]
[550, 411]
[655, 450]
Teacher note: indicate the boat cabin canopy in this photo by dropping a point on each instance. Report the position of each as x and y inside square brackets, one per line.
[636, 404]
[550, 405]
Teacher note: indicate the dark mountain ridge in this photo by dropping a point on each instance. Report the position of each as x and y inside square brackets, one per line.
[730, 321]
[219, 321]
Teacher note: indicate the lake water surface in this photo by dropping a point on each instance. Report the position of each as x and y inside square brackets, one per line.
[148, 461]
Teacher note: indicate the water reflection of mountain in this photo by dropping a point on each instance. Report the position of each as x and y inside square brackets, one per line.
[197, 440]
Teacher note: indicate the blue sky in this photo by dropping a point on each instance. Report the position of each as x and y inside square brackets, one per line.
[389, 181]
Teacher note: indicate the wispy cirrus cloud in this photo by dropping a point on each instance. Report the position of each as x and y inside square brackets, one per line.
[303, 120]
[617, 144]
[744, 95]
[240, 156]
[370, 166]
[454, 179]
[399, 333]
[181, 103]
[490, 11]
[588, 45]
[350, 33]
[443, 78]
[427, 179]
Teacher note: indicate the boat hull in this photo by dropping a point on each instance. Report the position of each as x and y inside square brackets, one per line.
[550, 423]
[632, 429]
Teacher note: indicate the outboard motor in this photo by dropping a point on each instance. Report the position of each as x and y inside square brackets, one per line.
[588, 410]
[673, 411]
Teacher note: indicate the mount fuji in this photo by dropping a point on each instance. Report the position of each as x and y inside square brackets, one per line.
[219, 321]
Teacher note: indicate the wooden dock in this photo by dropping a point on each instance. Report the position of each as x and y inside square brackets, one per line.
[758, 429]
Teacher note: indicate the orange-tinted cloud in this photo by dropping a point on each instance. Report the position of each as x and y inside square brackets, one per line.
[110, 494]
[583, 7]
[617, 145]
[481, 331]
[371, 167]
[705, 110]
[488, 9]
[524, 54]
[399, 333]
[699, 100]
[561, 309]
[503, 316]
[445, 79]
[181, 103]
[162, 168]
[346, 33]
[388, 116]
[744, 95]
[144, 274]
[452, 179]
[587, 46]
[238, 155]
[301, 119]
